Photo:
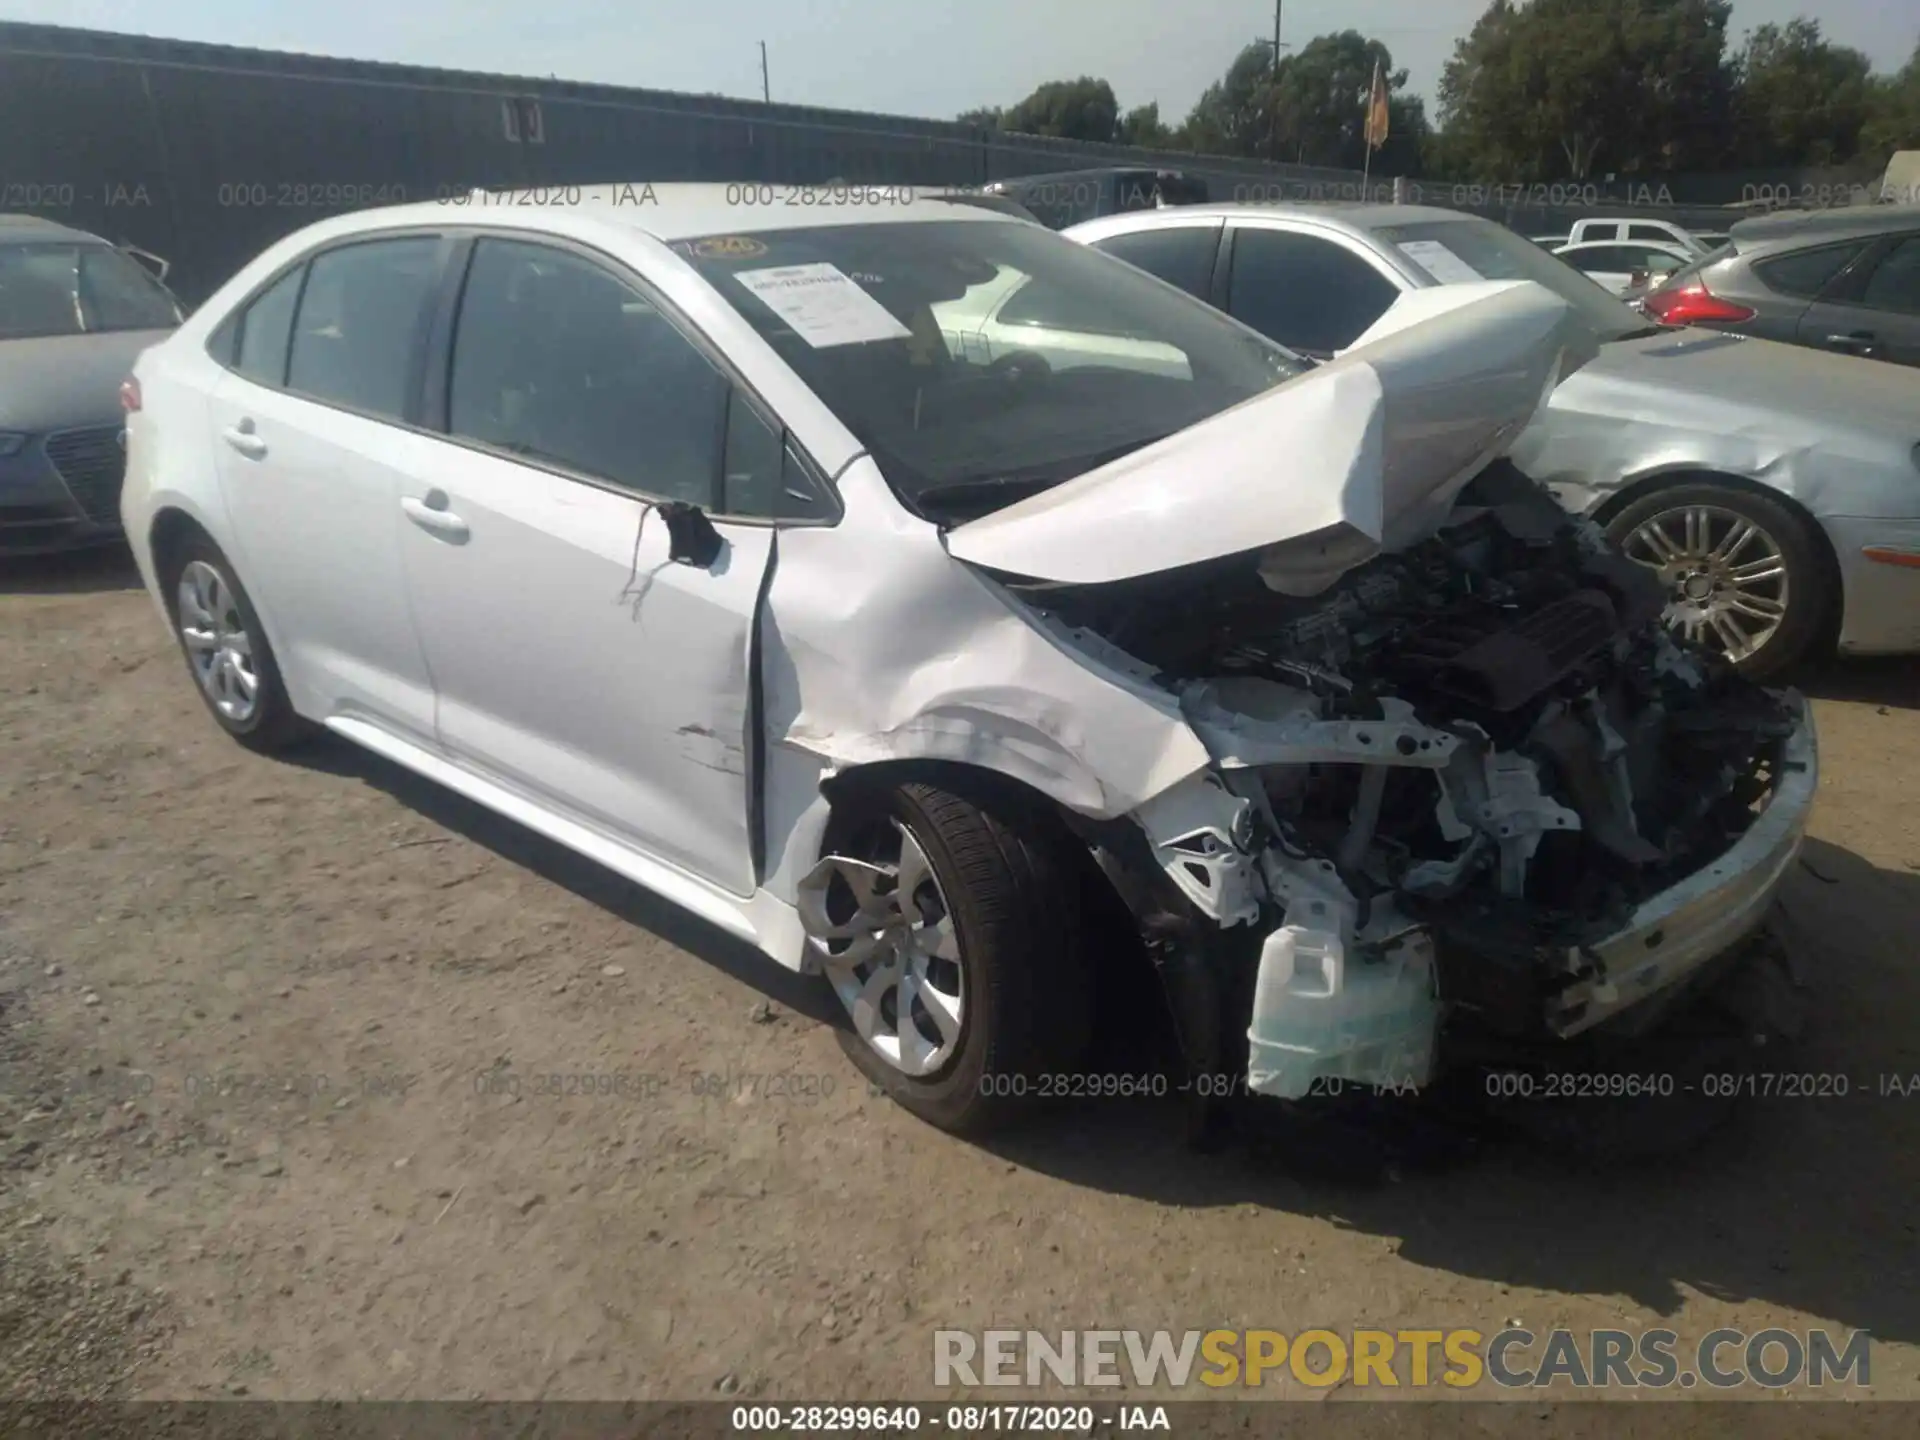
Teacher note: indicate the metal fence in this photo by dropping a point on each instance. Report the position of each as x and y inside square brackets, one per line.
[205, 154]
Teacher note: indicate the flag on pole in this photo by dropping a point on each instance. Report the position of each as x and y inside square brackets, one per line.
[1376, 131]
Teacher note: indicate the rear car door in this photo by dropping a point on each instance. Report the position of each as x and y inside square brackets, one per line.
[312, 424]
[1182, 255]
[1312, 294]
[1874, 309]
[578, 661]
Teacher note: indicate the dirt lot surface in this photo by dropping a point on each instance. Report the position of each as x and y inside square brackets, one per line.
[259, 1023]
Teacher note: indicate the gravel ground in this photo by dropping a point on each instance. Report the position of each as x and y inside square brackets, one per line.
[360, 1206]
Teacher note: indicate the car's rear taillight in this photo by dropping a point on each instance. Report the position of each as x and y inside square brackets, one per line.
[1691, 304]
[130, 394]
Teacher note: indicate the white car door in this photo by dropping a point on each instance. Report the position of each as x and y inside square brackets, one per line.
[575, 659]
[311, 469]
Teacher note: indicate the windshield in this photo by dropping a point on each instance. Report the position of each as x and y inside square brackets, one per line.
[1459, 251]
[979, 361]
[77, 289]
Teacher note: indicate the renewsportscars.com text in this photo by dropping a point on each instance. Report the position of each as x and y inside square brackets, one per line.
[1460, 1359]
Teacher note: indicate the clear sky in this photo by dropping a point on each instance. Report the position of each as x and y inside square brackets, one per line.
[909, 57]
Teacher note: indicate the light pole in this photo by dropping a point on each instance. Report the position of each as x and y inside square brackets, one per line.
[1273, 80]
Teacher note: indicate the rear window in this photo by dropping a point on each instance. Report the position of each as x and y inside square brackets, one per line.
[1453, 252]
[1805, 273]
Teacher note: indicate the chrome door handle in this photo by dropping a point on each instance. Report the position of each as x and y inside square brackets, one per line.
[433, 516]
[242, 438]
[1859, 340]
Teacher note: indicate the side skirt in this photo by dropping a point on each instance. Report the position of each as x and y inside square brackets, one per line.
[763, 921]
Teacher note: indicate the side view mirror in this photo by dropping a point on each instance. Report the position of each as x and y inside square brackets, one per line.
[691, 538]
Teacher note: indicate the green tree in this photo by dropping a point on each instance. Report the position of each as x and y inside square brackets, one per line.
[1313, 111]
[1562, 87]
[1082, 109]
[1142, 126]
[1800, 101]
[1234, 115]
[987, 117]
[1893, 113]
[1321, 99]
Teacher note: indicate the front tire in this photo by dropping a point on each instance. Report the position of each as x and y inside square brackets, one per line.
[950, 928]
[226, 649]
[1745, 575]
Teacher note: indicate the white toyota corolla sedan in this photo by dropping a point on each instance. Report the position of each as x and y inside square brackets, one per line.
[684, 533]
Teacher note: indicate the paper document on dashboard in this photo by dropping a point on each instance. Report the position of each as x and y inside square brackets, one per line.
[823, 304]
[1440, 262]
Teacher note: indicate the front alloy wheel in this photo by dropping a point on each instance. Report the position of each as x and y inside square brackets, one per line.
[1729, 585]
[952, 927]
[1743, 573]
[891, 954]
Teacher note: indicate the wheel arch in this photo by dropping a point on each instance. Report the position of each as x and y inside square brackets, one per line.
[1645, 485]
[844, 789]
[171, 528]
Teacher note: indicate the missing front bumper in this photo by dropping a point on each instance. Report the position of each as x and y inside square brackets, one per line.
[1320, 1017]
[1681, 929]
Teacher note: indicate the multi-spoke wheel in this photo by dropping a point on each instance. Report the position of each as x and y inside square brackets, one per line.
[226, 651]
[215, 637]
[950, 929]
[1743, 573]
[895, 960]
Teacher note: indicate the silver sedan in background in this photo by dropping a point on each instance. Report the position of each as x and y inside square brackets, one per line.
[1775, 489]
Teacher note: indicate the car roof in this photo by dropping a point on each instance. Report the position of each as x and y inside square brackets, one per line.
[1663, 243]
[684, 212]
[1843, 223]
[1352, 215]
[15, 228]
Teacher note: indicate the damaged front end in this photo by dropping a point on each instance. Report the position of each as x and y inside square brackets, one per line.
[1472, 782]
[1459, 777]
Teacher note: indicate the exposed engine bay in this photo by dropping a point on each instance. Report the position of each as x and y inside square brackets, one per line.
[1487, 743]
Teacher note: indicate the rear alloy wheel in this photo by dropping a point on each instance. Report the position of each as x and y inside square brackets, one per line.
[951, 932]
[226, 650]
[1743, 573]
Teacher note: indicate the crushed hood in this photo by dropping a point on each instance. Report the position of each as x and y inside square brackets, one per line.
[1360, 455]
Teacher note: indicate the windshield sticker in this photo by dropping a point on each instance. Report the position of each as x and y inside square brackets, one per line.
[823, 305]
[729, 247]
[1440, 262]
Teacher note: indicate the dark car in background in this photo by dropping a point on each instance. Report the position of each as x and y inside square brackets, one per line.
[1846, 280]
[1069, 197]
[75, 311]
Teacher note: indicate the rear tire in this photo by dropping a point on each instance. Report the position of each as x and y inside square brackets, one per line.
[226, 651]
[1745, 574]
[1001, 869]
